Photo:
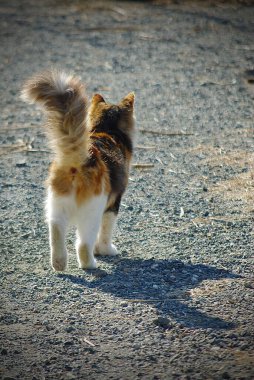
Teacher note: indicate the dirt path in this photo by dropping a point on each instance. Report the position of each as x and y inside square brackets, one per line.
[177, 303]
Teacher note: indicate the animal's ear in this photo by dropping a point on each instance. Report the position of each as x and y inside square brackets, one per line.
[97, 98]
[128, 100]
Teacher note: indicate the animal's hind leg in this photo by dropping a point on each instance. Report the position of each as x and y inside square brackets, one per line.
[58, 249]
[89, 219]
[57, 214]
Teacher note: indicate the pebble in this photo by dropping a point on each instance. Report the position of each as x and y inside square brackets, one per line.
[162, 322]
[68, 343]
[124, 303]
[69, 376]
[69, 329]
[21, 164]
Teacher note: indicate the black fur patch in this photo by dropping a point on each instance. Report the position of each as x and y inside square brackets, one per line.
[115, 207]
[109, 125]
[112, 155]
[92, 160]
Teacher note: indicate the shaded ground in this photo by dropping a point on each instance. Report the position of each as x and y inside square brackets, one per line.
[177, 303]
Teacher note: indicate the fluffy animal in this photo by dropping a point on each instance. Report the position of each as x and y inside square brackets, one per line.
[92, 148]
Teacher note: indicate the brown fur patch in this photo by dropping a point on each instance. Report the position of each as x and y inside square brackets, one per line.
[85, 181]
[61, 180]
[89, 159]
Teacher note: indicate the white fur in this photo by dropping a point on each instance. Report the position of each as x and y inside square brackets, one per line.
[104, 245]
[62, 211]
[88, 223]
[61, 81]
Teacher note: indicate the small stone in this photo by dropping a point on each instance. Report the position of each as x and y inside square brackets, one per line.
[69, 329]
[225, 375]
[162, 322]
[4, 351]
[194, 278]
[136, 346]
[68, 343]
[21, 164]
[69, 376]
[248, 284]
[100, 273]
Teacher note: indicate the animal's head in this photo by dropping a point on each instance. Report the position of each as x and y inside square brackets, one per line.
[106, 117]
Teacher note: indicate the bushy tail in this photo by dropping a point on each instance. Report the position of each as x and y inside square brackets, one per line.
[63, 98]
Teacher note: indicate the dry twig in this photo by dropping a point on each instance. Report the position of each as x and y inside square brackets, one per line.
[142, 166]
[88, 342]
[137, 300]
[145, 146]
[3, 130]
[180, 133]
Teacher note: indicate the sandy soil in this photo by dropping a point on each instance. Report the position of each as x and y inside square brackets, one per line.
[177, 303]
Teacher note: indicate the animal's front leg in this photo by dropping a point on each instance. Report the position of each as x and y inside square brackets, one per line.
[104, 245]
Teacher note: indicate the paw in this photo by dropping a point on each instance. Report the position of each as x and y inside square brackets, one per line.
[105, 250]
[59, 264]
[90, 264]
[85, 257]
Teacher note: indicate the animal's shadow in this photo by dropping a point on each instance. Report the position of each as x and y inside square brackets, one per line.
[165, 283]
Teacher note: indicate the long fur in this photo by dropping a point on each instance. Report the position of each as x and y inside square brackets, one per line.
[63, 98]
[89, 173]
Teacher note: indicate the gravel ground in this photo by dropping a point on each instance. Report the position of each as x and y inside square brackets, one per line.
[177, 303]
